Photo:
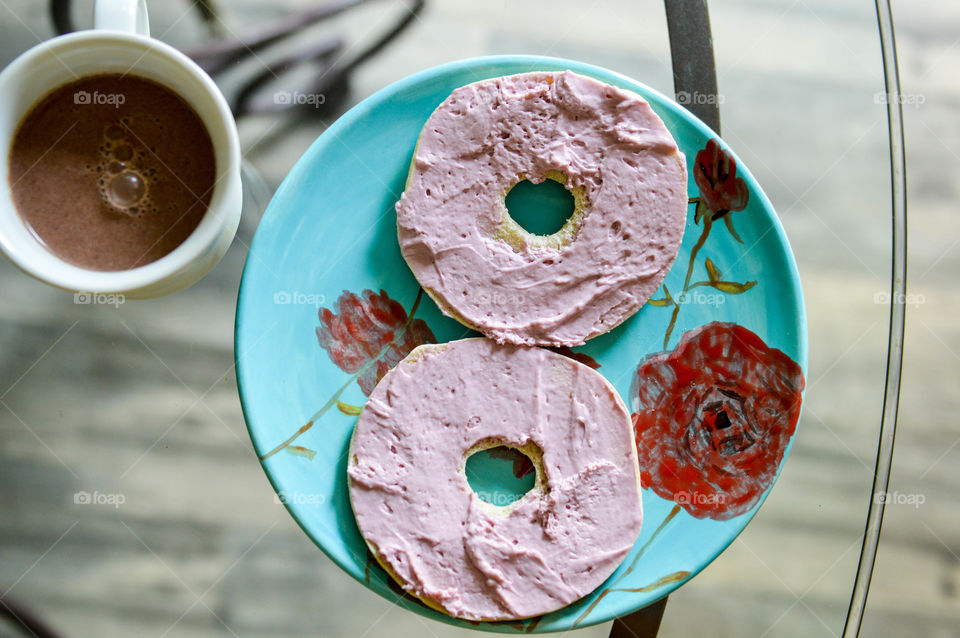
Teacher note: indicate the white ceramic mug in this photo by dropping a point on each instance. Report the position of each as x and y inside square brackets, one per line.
[121, 43]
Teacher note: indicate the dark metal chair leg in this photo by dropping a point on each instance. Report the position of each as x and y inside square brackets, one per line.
[640, 624]
[23, 618]
[691, 50]
[695, 86]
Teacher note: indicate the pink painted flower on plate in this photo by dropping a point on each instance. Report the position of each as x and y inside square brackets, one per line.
[369, 329]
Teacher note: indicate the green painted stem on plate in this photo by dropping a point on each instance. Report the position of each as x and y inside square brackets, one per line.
[707, 225]
[335, 399]
[600, 596]
[669, 578]
[309, 424]
[656, 532]
[590, 607]
[673, 322]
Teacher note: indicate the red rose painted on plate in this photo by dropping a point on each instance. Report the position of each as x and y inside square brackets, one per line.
[365, 335]
[713, 419]
[370, 327]
[715, 173]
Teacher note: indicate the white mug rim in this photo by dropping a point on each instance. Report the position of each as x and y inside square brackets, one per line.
[63, 274]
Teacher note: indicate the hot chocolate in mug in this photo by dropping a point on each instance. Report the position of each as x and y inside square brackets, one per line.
[120, 43]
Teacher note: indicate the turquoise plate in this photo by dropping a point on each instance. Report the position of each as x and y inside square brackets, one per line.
[329, 234]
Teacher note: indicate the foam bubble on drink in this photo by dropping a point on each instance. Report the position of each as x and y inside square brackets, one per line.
[126, 189]
[124, 186]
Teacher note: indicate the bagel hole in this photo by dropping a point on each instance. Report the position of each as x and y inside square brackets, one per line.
[500, 475]
[540, 209]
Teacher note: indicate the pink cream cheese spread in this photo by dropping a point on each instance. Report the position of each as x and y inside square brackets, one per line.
[613, 153]
[472, 559]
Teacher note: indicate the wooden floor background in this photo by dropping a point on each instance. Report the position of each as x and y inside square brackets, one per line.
[141, 400]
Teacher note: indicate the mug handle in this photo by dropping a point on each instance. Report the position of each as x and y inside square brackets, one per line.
[129, 16]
